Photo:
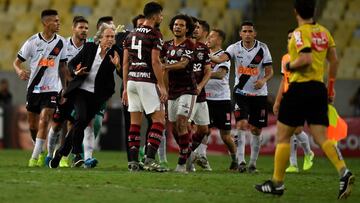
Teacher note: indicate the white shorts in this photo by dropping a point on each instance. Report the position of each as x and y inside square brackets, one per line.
[200, 114]
[183, 105]
[143, 96]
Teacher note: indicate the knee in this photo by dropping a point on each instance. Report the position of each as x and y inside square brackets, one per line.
[255, 131]
[203, 130]
[298, 130]
[242, 125]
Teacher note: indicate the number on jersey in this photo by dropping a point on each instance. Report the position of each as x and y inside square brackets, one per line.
[197, 67]
[136, 46]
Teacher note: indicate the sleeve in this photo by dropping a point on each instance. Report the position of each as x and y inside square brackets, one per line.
[189, 51]
[207, 59]
[267, 57]
[26, 51]
[230, 51]
[302, 40]
[63, 56]
[331, 40]
[158, 41]
[226, 65]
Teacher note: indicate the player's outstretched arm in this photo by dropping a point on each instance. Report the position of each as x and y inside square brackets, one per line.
[220, 59]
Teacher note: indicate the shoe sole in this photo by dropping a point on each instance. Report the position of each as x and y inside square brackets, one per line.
[348, 190]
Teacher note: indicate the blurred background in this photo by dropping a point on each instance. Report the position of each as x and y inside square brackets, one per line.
[19, 19]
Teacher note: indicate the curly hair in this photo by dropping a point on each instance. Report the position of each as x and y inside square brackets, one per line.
[189, 23]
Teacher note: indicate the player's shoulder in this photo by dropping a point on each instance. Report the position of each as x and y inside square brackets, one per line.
[33, 38]
[262, 44]
[189, 44]
[323, 28]
[61, 38]
[169, 42]
[235, 45]
[201, 46]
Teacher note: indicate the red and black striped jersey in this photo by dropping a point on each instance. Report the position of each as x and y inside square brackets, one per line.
[180, 81]
[140, 42]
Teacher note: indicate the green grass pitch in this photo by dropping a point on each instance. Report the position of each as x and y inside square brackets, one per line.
[111, 182]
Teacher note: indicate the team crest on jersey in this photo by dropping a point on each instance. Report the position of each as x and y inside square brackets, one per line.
[200, 56]
[179, 52]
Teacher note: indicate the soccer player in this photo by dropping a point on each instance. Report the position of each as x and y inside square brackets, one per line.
[63, 112]
[181, 81]
[253, 69]
[46, 52]
[144, 86]
[218, 94]
[202, 71]
[299, 135]
[310, 46]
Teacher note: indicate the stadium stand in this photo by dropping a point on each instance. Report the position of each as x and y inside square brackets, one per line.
[343, 20]
[19, 19]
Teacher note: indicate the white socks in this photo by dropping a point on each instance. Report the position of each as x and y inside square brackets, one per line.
[52, 139]
[293, 150]
[255, 149]
[162, 148]
[88, 142]
[241, 141]
[37, 148]
[303, 140]
[201, 150]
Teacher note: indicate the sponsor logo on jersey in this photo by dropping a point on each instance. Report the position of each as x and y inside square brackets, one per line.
[248, 70]
[320, 41]
[47, 62]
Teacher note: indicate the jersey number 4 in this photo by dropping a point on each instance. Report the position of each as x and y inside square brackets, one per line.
[136, 46]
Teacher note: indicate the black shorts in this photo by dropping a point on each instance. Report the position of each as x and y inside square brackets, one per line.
[305, 101]
[251, 108]
[220, 114]
[35, 102]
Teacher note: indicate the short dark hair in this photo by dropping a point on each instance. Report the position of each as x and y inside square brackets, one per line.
[102, 20]
[247, 23]
[189, 23]
[152, 8]
[305, 8]
[136, 18]
[48, 12]
[205, 25]
[221, 33]
[79, 19]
